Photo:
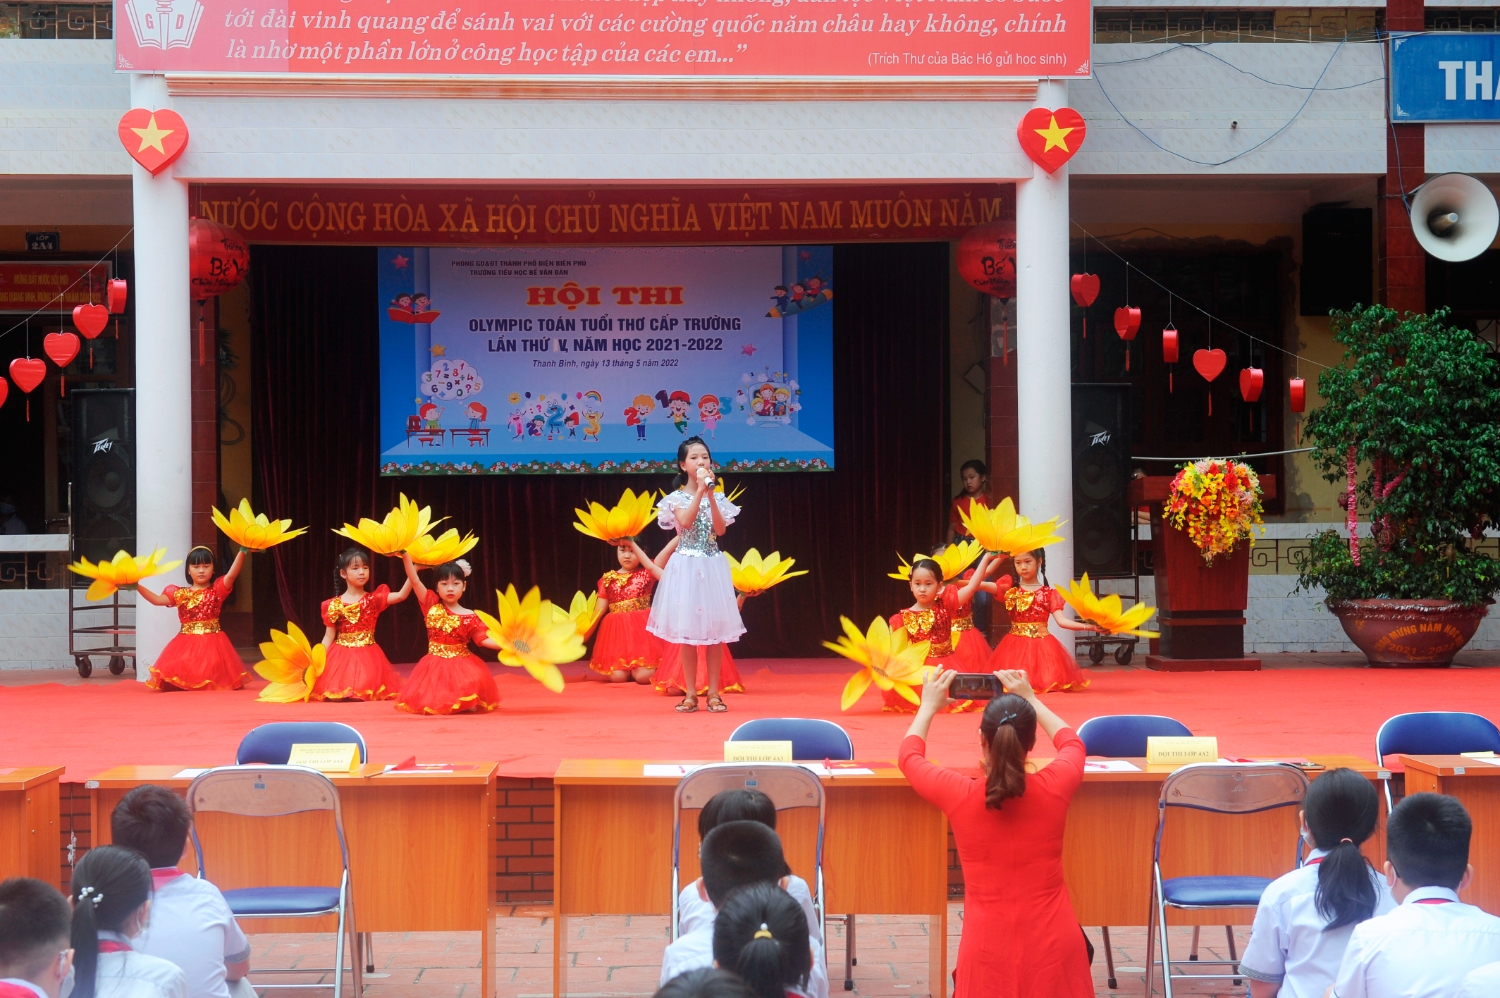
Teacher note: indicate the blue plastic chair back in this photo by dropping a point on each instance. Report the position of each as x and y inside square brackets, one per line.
[811, 738]
[1123, 736]
[271, 744]
[1436, 732]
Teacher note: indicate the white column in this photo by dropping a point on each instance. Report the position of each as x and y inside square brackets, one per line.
[1043, 362]
[163, 378]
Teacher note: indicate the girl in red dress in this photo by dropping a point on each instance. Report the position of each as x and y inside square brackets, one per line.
[930, 619]
[1020, 936]
[625, 650]
[1029, 647]
[356, 668]
[969, 644]
[200, 657]
[449, 679]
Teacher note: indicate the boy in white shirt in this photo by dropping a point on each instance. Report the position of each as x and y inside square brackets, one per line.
[1432, 940]
[36, 925]
[191, 924]
[1483, 982]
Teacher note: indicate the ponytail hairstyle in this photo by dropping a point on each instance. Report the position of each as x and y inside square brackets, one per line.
[199, 555]
[346, 559]
[460, 570]
[1341, 809]
[682, 450]
[1008, 728]
[760, 933]
[109, 884]
[931, 566]
[1040, 554]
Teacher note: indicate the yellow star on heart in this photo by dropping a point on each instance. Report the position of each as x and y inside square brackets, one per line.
[151, 136]
[1057, 138]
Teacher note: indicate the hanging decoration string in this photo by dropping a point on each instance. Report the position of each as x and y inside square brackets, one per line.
[59, 297]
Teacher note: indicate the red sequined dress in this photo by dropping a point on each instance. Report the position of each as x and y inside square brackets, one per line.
[934, 625]
[201, 656]
[1030, 648]
[449, 679]
[623, 643]
[357, 669]
[969, 644]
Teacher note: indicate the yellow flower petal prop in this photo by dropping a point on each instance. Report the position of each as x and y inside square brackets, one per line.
[954, 560]
[1106, 611]
[426, 550]
[732, 495]
[628, 517]
[397, 532]
[534, 635]
[254, 531]
[122, 571]
[291, 666]
[1002, 529]
[753, 575]
[888, 659]
[583, 612]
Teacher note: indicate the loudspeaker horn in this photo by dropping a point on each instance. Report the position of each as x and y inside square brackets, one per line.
[1454, 217]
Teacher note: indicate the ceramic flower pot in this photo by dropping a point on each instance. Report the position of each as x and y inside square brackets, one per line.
[1404, 633]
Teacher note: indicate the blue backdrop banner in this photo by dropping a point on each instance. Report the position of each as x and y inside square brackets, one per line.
[1445, 77]
[558, 361]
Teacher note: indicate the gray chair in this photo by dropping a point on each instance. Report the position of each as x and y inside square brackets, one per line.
[274, 791]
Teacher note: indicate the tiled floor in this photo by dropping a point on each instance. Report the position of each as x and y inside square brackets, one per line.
[616, 957]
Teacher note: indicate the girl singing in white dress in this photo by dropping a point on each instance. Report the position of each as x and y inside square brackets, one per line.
[695, 602]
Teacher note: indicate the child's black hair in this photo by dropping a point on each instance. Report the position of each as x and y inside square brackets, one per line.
[109, 884]
[345, 561]
[976, 465]
[761, 934]
[1341, 808]
[682, 453]
[707, 982]
[1427, 840]
[931, 566]
[736, 805]
[452, 570]
[739, 853]
[198, 556]
[34, 926]
[154, 821]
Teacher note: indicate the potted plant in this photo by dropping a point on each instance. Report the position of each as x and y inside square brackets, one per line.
[1411, 425]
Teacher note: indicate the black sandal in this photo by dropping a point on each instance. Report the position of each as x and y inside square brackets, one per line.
[689, 705]
[716, 704]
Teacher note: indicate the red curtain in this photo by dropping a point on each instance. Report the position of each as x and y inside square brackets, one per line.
[315, 397]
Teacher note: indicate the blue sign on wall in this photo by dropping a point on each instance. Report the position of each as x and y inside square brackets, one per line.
[1445, 77]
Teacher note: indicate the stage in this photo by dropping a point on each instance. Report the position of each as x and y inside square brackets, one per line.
[1299, 705]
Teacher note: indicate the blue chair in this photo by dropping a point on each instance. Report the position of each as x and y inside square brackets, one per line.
[257, 792]
[1224, 789]
[813, 739]
[1433, 732]
[271, 744]
[1123, 736]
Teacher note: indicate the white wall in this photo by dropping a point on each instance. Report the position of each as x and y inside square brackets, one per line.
[60, 104]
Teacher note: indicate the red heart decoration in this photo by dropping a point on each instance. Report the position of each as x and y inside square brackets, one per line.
[4, 390]
[1127, 321]
[1297, 395]
[118, 291]
[1169, 345]
[1252, 380]
[61, 347]
[1210, 363]
[28, 372]
[1085, 288]
[90, 319]
[1049, 137]
[154, 139]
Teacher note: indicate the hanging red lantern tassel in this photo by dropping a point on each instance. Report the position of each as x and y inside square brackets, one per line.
[1169, 350]
[28, 373]
[62, 348]
[1085, 288]
[1127, 321]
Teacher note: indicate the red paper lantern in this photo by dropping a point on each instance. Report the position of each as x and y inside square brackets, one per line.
[28, 373]
[1252, 380]
[1085, 288]
[116, 294]
[62, 348]
[1298, 395]
[4, 390]
[987, 258]
[1169, 345]
[1127, 321]
[220, 258]
[90, 319]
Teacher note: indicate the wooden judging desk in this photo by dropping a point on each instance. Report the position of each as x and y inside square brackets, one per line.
[29, 840]
[421, 848]
[1477, 785]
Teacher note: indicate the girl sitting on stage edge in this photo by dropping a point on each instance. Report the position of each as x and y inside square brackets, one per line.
[200, 657]
[449, 679]
[356, 668]
[625, 650]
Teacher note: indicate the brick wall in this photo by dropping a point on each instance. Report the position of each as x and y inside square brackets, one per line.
[73, 820]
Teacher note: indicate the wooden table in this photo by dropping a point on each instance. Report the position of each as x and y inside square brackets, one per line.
[29, 840]
[421, 849]
[885, 850]
[1477, 785]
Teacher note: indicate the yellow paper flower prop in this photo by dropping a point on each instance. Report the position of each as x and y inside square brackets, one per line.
[291, 666]
[1106, 611]
[121, 572]
[583, 612]
[254, 531]
[426, 550]
[888, 658]
[1002, 529]
[954, 559]
[632, 514]
[734, 494]
[753, 575]
[534, 636]
[397, 532]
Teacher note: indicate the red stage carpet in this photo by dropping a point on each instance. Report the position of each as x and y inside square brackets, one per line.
[1276, 712]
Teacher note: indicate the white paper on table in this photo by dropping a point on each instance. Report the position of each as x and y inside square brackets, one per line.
[818, 769]
[667, 769]
[1493, 760]
[1110, 766]
[189, 774]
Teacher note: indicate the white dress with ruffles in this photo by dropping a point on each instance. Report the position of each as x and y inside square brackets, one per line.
[695, 603]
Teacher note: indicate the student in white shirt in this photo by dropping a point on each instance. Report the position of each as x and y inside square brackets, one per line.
[191, 924]
[1432, 940]
[111, 905]
[760, 933]
[36, 956]
[1305, 918]
[1482, 982]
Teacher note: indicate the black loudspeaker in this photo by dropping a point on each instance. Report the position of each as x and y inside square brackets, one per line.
[102, 492]
[1101, 472]
[1337, 263]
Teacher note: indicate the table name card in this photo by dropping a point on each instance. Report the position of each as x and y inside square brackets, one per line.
[1177, 750]
[772, 751]
[334, 757]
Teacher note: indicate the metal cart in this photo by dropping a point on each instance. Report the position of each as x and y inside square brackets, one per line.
[1124, 644]
[108, 621]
